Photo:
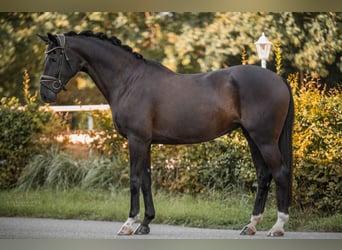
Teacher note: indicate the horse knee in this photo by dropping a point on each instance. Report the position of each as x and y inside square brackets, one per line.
[135, 185]
[282, 176]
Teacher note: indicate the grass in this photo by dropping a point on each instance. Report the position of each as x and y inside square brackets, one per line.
[214, 211]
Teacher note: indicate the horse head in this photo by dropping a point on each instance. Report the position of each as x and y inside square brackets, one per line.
[59, 68]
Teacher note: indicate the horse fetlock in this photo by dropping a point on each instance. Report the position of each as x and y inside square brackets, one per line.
[278, 228]
[128, 227]
[255, 219]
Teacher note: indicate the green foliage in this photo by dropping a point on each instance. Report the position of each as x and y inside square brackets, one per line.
[185, 42]
[221, 165]
[278, 57]
[53, 170]
[107, 141]
[58, 170]
[105, 173]
[22, 128]
[317, 145]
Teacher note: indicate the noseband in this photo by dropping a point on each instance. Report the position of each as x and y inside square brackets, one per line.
[51, 82]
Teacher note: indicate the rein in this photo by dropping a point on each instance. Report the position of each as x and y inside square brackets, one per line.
[56, 83]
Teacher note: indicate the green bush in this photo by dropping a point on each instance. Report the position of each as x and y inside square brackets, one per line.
[220, 165]
[106, 139]
[18, 137]
[58, 170]
[21, 134]
[317, 142]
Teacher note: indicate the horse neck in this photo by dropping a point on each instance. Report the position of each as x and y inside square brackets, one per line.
[110, 67]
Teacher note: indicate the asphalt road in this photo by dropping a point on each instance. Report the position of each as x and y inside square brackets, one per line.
[37, 228]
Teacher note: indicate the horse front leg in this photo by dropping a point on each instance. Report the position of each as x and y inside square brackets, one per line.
[148, 199]
[139, 178]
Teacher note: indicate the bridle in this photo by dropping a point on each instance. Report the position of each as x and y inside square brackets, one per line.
[51, 82]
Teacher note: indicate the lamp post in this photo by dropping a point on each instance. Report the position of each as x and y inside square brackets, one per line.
[263, 46]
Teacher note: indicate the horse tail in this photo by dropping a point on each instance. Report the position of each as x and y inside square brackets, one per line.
[285, 141]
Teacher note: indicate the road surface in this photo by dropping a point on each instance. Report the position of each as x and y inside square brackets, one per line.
[38, 228]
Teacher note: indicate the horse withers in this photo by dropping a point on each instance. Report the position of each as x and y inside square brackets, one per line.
[152, 104]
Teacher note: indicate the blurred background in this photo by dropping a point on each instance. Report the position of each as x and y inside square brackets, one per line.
[184, 42]
[38, 149]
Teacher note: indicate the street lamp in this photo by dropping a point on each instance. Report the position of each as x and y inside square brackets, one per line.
[263, 46]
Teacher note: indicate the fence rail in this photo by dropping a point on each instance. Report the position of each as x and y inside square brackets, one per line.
[80, 108]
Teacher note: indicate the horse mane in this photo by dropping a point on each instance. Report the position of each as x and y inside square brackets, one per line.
[116, 42]
[100, 35]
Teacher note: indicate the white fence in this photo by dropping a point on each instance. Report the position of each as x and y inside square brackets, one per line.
[81, 108]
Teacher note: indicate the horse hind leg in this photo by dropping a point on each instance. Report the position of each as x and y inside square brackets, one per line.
[282, 176]
[264, 180]
[264, 177]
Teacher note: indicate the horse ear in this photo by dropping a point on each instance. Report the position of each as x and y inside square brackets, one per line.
[52, 38]
[44, 38]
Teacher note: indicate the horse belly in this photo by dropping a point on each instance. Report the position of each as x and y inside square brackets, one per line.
[193, 123]
[194, 108]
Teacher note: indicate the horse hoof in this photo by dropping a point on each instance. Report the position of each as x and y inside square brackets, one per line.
[126, 230]
[142, 230]
[248, 230]
[276, 233]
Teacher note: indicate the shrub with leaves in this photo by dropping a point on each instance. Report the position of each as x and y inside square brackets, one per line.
[217, 165]
[317, 144]
[21, 133]
[107, 141]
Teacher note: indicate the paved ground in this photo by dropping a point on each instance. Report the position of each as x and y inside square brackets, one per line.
[34, 228]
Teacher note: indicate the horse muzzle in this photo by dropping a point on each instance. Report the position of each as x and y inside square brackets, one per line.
[49, 88]
[47, 94]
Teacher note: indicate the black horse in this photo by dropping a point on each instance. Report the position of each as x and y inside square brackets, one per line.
[152, 104]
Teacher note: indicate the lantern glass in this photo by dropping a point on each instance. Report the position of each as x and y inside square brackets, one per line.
[263, 46]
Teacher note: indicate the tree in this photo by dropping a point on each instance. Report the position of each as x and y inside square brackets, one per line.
[184, 42]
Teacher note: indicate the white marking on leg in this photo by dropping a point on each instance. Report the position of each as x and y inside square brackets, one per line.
[250, 229]
[255, 219]
[278, 228]
[282, 219]
[128, 228]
